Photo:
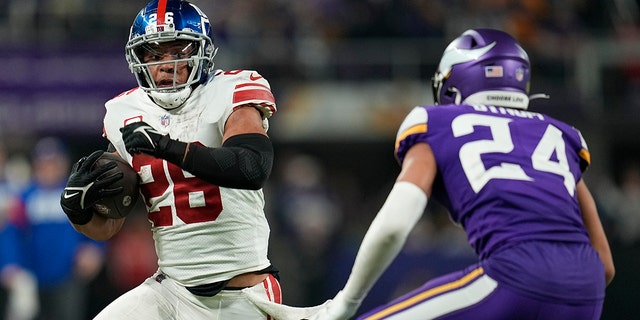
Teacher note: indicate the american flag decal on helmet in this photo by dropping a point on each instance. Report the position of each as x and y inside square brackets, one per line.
[493, 72]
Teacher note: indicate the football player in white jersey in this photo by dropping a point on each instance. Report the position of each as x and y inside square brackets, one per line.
[197, 138]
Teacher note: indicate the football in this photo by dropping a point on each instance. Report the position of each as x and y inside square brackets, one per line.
[119, 205]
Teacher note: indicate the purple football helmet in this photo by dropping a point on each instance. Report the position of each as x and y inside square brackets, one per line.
[483, 66]
[176, 21]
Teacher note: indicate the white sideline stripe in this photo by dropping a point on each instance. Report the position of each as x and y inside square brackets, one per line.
[451, 301]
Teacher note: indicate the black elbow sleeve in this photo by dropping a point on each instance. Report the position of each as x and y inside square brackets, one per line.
[243, 162]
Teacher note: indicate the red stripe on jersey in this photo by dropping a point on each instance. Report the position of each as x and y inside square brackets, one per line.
[252, 94]
[127, 92]
[132, 120]
[238, 86]
[162, 9]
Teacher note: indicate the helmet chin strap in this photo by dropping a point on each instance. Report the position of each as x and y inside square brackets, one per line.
[170, 100]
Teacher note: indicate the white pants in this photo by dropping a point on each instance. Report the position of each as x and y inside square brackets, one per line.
[167, 300]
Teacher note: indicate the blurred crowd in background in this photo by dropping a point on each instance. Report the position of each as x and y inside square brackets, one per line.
[328, 20]
[344, 74]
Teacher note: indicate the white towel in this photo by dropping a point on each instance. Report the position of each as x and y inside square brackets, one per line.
[281, 311]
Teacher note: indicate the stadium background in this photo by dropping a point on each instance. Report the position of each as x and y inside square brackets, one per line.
[344, 73]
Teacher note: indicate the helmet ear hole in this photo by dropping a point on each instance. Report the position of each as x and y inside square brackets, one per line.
[450, 92]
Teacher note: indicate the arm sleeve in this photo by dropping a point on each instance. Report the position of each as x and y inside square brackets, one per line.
[243, 162]
[385, 238]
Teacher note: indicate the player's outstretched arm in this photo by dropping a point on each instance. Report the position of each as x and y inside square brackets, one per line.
[387, 233]
[594, 227]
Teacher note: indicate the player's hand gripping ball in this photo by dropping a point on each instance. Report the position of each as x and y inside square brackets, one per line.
[118, 205]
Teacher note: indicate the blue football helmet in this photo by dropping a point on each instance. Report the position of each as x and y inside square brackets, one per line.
[186, 26]
[483, 66]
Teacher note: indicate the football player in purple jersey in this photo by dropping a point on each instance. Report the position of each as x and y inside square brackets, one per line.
[511, 178]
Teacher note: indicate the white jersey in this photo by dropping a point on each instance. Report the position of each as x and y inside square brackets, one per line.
[203, 233]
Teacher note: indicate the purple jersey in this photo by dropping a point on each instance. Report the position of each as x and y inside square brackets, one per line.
[507, 177]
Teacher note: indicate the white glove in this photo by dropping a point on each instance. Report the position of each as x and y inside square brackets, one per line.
[279, 311]
[337, 309]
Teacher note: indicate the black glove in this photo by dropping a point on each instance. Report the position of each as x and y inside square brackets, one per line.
[139, 137]
[85, 187]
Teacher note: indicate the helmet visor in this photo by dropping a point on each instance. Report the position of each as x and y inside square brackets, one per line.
[167, 65]
[151, 52]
